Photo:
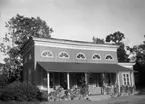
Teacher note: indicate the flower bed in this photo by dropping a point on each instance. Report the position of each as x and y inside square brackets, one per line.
[71, 94]
[114, 90]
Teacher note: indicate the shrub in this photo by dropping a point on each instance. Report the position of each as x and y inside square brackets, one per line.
[3, 81]
[58, 94]
[43, 96]
[20, 91]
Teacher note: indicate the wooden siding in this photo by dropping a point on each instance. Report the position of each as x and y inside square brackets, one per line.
[72, 53]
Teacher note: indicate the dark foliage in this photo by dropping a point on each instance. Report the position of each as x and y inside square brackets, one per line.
[20, 28]
[117, 38]
[20, 91]
[121, 54]
[98, 40]
[4, 81]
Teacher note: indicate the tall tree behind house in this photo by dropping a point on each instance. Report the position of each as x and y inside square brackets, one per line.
[20, 28]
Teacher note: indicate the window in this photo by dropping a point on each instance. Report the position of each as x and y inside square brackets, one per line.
[126, 79]
[109, 57]
[47, 53]
[63, 55]
[80, 56]
[96, 57]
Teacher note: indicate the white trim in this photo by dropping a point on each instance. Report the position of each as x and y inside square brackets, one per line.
[68, 81]
[109, 55]
[81, 58]
[47, 55]
[63, 57]
[68, 46]
[70, 42]
[96, 58]
[132, 78]
[118, 78]
[48, 82]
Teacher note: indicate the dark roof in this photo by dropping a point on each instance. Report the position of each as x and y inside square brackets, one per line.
[81, 67]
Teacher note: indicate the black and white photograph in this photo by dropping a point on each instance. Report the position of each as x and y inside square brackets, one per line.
[72, 51]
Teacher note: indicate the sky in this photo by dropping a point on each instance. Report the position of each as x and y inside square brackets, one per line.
[81, 19]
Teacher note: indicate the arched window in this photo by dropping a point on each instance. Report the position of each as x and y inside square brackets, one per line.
[81, 56]
[96, 57]
[109, 57]
[47, 53]
[63, 55]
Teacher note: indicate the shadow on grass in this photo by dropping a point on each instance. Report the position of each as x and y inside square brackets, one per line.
[141, 91]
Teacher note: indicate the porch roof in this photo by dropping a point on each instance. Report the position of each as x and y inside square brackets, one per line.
[81, 67]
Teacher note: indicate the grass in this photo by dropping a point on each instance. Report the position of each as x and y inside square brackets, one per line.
[136, 99]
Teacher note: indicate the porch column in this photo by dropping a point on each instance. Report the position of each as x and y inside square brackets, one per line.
[118, 79]
[86, 78]
[132, 78]
[48, 83]
[68, 81]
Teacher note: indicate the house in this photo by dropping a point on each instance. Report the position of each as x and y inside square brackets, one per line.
[50, 63]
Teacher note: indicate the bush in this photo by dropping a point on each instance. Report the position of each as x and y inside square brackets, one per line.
[20, 91]
[3, 81]
[43, 96]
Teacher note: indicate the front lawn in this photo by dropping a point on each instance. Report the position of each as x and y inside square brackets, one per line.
[137, 99]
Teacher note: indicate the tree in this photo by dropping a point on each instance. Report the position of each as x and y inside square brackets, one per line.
[98, 40]
[117, 38]
[140, 64]
[20, 28]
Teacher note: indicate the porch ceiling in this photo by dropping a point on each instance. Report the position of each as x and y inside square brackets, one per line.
[81, 67]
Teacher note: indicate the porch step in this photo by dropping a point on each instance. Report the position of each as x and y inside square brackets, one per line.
[98, 97]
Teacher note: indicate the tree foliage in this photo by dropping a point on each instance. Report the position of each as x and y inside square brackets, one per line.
[140, 63]
[117, 38]
[98, 40]
[20, 28]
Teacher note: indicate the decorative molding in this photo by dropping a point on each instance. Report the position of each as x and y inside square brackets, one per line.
[72, 42]
[72, 46]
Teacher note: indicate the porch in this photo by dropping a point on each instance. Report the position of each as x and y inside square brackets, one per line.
[70, 75]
